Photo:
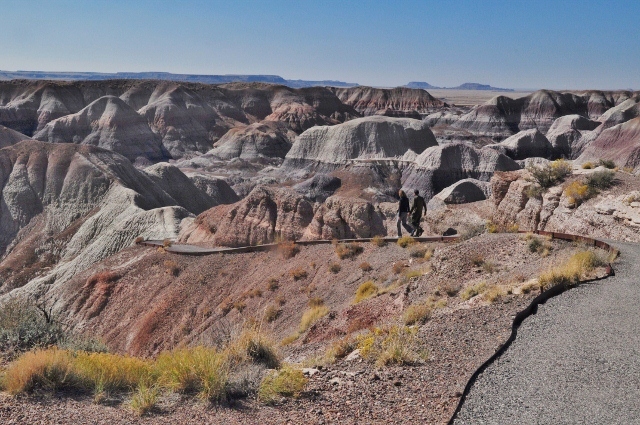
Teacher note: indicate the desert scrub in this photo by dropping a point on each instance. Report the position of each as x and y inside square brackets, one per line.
[473, 290]
[311, 316]
[252, 346]
[144, 399]
[378, 241]
[421, 251]
[405, 241]
[50, 369]
[104, 372]
[570, 272]
[365, 266]
[334, 268]
[412, 274]
[607, 163]
[298, 273]
[286, 382]
[470, 231]
[577, 193]
[201, 370]
[417, 313]
[348, 250]
[587, 165]
[365, 291]
[550, 174]
[450, 289]
[391, 345]
[536, 245]
[272, 284]
[600, 180]
[494, 293]
[340, 348]
[398, 267]
[172, 268]
[271, 313]
[287, 249]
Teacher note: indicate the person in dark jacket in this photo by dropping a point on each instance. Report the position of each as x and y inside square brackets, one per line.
[419, 205]
[403, 213]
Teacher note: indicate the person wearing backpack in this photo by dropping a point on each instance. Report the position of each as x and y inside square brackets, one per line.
[403, 213]
[419, 205]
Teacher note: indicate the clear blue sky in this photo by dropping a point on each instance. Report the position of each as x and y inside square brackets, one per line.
[521, 44]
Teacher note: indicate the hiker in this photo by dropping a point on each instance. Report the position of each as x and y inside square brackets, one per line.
[416, 213]
[403, 212]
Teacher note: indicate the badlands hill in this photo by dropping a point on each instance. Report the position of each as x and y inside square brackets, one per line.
[10, 137]
[65, 206]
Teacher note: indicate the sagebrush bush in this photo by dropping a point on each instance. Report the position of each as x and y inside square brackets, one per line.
[600, 180]
[365, 291]
[607, 163]
[348, 250]
[550, 174]
[391, 345]
[287, 382]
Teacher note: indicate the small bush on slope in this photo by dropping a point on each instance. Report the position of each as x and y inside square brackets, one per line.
[391, 345]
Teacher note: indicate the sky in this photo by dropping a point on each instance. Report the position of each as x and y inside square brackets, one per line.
[514, 44]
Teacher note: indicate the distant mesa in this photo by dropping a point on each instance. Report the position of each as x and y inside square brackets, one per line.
[185, 78]
[466, 86]
[420, 85]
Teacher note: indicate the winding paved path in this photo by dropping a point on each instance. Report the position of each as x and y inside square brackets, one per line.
[577, 361]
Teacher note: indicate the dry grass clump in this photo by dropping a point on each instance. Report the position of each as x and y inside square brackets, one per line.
[272, 284]
[271, 313]
[340, 348]
[144, 399]
[489, 267]
[205, 371]
[287, 249]
[167, 243]
[412, 274]
[417, 313]
[473, 290]
[172, 268]
[49, 369]
[365, 291]
[365, 266]
[392, 345]
[450, 288]
[348, 250]
[240, 305]
[421, 251]
[311, 316]
[570, 273]
[539, 246]
[477, 260]
[405, 241]
[287, 382]
[378, 241]
[198, 370]
[298, 273]
[398, 267]
[494, 293]
[334, 268]
[587, 165]
[138, 240]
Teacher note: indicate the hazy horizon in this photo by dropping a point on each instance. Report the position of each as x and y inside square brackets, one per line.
[566, 45]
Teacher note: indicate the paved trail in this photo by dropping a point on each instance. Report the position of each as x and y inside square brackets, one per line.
[577, 361]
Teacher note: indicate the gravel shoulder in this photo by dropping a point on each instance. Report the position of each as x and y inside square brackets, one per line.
[574, 362]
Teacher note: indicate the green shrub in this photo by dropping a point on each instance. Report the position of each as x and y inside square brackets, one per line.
[600, 180]
[550, 174]
[607, 163]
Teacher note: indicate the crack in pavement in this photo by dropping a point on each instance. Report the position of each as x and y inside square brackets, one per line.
[576, 361]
